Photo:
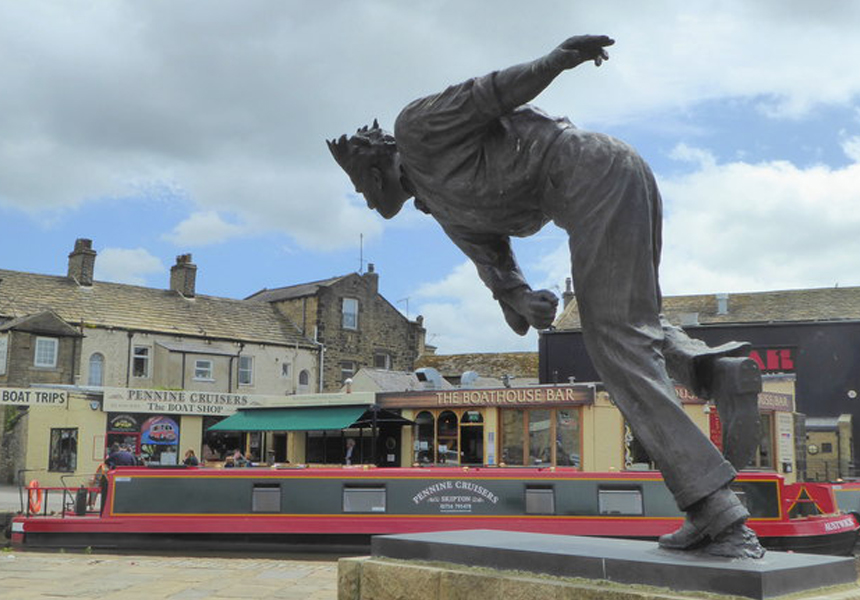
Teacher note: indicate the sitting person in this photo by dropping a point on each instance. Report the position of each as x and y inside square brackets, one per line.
[190, 459]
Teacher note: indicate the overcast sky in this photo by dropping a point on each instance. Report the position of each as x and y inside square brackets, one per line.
[159, 128]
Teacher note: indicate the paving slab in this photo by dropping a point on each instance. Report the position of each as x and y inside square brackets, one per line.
[29, 575]
[622, 561]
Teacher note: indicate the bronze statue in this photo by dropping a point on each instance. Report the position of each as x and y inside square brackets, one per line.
[487, 165]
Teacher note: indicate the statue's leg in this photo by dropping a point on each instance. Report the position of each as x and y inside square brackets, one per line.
[615, 228]
[725, 375]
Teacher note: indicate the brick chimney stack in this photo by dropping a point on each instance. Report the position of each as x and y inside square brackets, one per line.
[82, 261]
[183, 276]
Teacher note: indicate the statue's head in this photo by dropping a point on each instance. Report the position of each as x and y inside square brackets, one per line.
[370, 159]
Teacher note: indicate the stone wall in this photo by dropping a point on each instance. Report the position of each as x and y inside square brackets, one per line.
[381, 327]
[20, 371]
[368, 578]
[13, 444]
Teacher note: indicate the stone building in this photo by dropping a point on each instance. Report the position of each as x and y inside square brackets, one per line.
[355, 324]
[86, 363]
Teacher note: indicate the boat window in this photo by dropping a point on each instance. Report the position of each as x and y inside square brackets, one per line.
[540, 500]
[266, 497]
[742, 495]
[620, 501]
[364, 499]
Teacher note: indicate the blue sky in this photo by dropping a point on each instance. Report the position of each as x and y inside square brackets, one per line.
[166, 127]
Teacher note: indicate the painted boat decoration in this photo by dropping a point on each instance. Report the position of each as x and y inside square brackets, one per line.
[340, 508]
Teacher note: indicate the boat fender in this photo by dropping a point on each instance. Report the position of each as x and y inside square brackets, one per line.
[34, 496]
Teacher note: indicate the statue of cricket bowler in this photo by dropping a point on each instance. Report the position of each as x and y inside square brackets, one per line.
[487, 165]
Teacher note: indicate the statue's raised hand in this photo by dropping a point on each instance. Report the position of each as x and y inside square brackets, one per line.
[579, 49]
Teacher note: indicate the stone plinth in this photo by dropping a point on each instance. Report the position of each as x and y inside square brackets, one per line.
[497, 564]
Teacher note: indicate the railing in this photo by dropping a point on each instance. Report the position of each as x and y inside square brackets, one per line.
[36, 500]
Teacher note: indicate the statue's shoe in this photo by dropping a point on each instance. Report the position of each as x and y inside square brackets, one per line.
[735, 385]
[706, 520]
[738, 541]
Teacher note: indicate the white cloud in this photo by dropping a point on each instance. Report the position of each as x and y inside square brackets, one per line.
[851, 147]
[203, 228]
[461, 316]
[227, 110]
[232, 105]
[772, 225]
[126, 265]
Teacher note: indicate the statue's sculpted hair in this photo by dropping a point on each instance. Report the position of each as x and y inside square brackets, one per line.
[366, 147]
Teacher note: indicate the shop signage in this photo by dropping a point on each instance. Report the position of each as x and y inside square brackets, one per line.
[766, 400]
[189, 402]
[774, 360]
[503, 397]
[785, 438]
[33, 397]
[776, 402]
[183, 402]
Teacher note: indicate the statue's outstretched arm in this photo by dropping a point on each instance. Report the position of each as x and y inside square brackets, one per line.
[520, 84]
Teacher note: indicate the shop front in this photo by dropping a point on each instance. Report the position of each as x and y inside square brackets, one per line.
[540, 425]
[153, 438]
[325, 435]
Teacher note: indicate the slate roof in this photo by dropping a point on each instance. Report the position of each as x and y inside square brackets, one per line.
[294, 291]
[784, 306]
[125, 306]
[517, 364]
[394, 381]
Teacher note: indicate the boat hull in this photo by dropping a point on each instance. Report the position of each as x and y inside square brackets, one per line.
[339, 509]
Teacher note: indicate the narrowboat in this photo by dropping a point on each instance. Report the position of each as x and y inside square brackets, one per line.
[340, 508]
[815, 498]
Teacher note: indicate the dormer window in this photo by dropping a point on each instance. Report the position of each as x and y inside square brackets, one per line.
[45, 355]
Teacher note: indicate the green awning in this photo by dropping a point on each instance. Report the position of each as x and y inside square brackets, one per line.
[306, 418]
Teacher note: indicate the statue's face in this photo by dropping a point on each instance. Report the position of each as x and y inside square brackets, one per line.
[381, 188]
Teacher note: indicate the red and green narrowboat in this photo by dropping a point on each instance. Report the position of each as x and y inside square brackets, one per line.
[340, 508]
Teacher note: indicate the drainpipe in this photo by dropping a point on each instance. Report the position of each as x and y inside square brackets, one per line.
[373, 411]
[322, 368]
[128, 362]
[321, 347]
[74, 354]
[230, 372]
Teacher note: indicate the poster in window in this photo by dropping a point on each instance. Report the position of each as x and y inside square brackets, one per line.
[160, 430]
[123, 422]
